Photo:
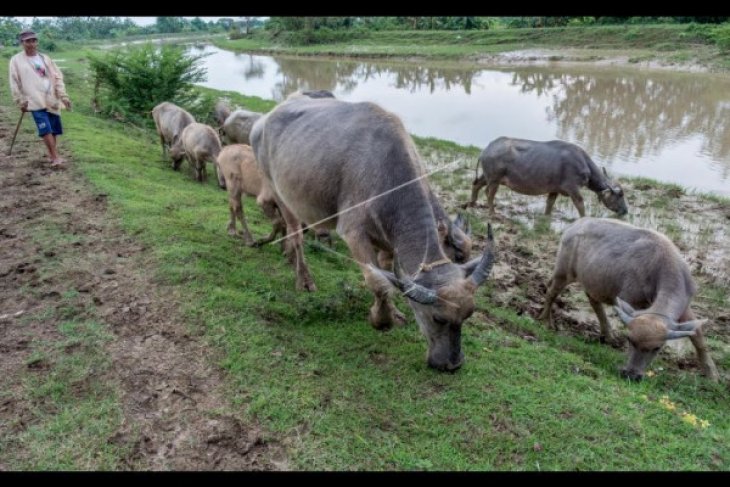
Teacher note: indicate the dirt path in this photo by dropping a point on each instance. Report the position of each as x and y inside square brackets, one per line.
[171, 395]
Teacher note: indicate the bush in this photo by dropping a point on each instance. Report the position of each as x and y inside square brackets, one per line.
[721, 36]
[130, 82]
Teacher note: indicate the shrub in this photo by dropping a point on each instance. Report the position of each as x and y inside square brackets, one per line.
[130, 82]
[721, 36]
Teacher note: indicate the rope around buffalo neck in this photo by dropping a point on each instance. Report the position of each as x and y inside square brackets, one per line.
[427, 267]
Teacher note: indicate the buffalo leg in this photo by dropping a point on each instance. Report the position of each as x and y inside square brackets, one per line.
[278, 226]
[383, 313]
[294, 249]
[234, 202]
[602, 320]
[478, 184]
[555, 287]
[491, 192]
[578, 202]
[219, 175]
[550, 203]
[164, 147]
[709, 369]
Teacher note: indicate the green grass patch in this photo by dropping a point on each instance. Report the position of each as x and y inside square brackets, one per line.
[74, 412]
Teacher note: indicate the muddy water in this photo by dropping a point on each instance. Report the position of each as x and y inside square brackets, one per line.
[669, 126]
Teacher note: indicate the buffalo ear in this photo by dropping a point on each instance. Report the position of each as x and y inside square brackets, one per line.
[688, 325]
[673, 335]
[624, 310]
[463, 223]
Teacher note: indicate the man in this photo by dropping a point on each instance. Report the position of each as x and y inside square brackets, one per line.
[37, 87]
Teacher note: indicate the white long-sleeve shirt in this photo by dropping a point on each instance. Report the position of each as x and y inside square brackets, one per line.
[28, 84]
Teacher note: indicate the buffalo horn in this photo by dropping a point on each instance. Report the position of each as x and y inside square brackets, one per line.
[482, 271]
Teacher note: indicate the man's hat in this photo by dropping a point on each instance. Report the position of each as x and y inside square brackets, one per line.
[27, 34]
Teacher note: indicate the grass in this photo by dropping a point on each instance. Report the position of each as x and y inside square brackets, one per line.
[73, 411]
[338, 394]
[75, 416]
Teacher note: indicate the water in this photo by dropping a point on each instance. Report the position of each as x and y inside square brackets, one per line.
[669, 126]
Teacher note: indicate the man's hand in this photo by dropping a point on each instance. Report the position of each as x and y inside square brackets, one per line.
[67, 103]
[24, 106]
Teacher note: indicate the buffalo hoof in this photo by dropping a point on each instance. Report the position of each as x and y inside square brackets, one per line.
[632, 376]
[447, 366]
[248, 240]
[306, 286]
[387, 323]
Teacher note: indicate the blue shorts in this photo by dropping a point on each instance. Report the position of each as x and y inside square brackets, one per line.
[47, 123]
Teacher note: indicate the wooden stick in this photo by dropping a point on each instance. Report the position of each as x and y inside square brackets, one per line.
[17, 127]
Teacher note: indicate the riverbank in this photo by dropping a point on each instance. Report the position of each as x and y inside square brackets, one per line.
[680, 47]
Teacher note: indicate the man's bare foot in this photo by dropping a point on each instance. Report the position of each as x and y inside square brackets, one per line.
[58, 163]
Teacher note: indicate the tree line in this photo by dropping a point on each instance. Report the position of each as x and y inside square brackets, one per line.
[83, 28]
[80, 28]
[468, 23]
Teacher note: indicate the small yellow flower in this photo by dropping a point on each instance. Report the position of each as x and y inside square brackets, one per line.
[704, 423]
[664, 401]
[650, 373]
[689, 418]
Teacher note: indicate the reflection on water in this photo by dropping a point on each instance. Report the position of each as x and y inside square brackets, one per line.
[674, 127]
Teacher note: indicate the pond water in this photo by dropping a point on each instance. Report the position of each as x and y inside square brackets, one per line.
[669, 126]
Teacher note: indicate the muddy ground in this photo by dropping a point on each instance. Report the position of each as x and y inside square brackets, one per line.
[161, 366]
[528, 241]
[630, 58]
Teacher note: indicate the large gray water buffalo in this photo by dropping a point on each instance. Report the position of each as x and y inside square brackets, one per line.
[199, 143]
[243, 177]
[637, 269]
[552, 168]
[354, 165]
[170, 121]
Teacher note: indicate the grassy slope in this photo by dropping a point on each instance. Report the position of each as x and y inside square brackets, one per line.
[343, 396]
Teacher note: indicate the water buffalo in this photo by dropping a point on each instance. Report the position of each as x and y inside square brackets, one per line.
[552, 168]
[170, 121]
[237, 126]
[221, 112]
[618, 263]
[242, 176]
[199, 143]
[354, 165]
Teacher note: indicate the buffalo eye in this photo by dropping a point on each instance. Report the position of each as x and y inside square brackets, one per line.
[439, 321]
